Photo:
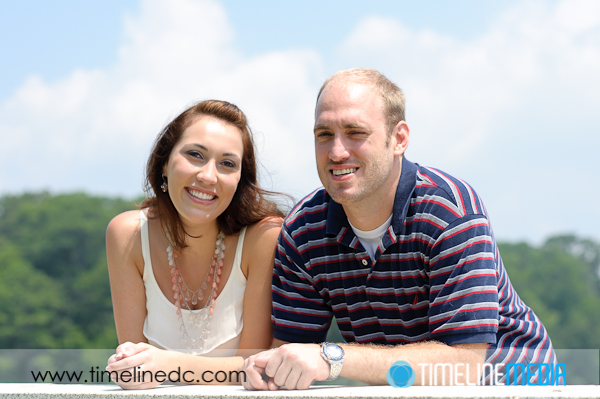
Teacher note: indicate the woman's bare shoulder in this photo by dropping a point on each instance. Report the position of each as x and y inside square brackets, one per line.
[123, 241]
[124, 225]
[267, 228]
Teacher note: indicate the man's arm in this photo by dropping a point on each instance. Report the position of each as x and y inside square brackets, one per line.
[370, 363]
[296, 366]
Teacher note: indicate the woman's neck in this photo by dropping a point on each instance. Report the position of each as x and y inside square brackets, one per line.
[201, 238]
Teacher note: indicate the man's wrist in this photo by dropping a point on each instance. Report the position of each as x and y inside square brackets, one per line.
[333, 354]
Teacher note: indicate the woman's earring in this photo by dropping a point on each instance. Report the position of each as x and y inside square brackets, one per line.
[164, 186]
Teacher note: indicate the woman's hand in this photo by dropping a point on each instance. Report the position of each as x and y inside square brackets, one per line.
[139, 366]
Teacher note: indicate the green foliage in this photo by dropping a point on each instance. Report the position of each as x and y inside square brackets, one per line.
[559, 281]
[33, 312]
[55, 292]
[60, 235]
[54, 281]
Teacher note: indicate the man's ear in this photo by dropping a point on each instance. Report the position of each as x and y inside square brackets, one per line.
[400, 138]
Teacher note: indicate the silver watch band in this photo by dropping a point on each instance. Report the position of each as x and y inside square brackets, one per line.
[334, 371]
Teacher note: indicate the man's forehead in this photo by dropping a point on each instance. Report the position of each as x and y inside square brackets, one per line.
[338, 94]
[353, 97]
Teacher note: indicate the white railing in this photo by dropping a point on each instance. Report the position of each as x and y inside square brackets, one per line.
[85, 391]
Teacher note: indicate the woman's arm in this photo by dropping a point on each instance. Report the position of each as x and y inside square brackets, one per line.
[257, 265]
[125, 268]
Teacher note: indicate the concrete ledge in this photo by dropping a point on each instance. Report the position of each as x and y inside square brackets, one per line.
[89, 391]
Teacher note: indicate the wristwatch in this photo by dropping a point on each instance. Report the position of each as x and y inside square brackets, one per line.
[334, 355]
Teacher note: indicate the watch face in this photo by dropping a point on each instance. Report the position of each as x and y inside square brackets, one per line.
[333, 351]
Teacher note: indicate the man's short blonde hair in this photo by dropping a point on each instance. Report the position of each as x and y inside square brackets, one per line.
[391, 96]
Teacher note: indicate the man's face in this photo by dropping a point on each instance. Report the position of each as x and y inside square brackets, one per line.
[354, 156]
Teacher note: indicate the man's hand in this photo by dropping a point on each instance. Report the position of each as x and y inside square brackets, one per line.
[293, 366]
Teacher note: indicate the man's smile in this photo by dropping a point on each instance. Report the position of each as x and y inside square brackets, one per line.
[340, 172]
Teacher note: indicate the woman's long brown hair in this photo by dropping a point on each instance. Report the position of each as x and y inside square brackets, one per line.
[249, 204]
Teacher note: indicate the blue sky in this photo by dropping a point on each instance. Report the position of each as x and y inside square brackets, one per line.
[51, 38]
[501, 94]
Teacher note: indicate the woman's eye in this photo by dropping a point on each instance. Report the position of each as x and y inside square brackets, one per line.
[229, 164]
[196, 154]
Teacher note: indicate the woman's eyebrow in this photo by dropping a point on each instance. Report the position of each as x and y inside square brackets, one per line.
[200, 146]
[225, 154]
[231, 154]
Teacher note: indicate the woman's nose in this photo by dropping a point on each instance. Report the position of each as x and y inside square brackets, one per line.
[208, 173]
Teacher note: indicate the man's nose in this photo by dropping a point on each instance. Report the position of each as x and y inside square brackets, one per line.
[338, 150]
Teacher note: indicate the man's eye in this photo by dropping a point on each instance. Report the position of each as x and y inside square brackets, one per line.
[323, 135]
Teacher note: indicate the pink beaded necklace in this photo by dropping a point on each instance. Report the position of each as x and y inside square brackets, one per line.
[186, 297]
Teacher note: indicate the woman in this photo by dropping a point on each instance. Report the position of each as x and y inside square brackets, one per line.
[198, 252]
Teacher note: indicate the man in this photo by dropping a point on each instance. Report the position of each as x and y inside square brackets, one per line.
[402, 255]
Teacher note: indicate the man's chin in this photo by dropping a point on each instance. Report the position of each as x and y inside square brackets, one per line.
[342, 196]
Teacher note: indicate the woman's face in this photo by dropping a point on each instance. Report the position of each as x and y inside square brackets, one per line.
[204, 170]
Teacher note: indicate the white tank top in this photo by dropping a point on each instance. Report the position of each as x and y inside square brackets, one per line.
[161, 327]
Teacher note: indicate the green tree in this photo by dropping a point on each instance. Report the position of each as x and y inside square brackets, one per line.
[561, 288]
[62, 239]
[33, 312]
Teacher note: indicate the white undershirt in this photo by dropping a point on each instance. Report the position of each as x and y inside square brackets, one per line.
[371, 239]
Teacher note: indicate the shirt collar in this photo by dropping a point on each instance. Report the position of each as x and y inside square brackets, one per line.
[405, 190]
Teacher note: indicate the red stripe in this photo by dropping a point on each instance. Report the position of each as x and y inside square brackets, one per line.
[395, 258]
[472, 196]
[426, 221]
[415, 277]
[463, 279]
[462, 202]
[440, 204]
[296, 327]
[326, 279]
[299, 205]
[364, 307]
[463, 296]
[301, 214]
[307, 289]
[307, 230]
[294, 311]
[308, 247]
[363, 292]
[419, 305]
[296, 298]
[460, 250]
[505, 337]
[467, 228]
[464, 327]
[465, 311]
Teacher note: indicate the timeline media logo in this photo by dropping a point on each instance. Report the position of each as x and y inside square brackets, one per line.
[401, 375]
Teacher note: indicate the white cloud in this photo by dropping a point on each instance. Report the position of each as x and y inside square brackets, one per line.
[513, 111]
[93, 130]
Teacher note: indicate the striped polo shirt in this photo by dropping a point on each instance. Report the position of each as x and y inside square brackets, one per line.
[437, 275]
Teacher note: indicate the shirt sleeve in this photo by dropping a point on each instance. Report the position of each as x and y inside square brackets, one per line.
[463, 283]
[300, 313]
